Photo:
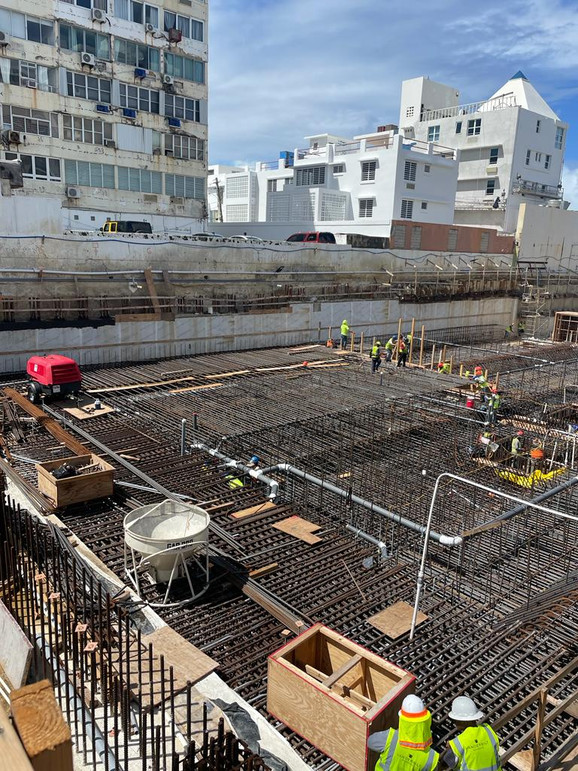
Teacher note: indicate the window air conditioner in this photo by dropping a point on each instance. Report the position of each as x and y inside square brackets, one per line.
[72, 192]
[96, 14]
[110, 143]
[3, 39]
[88, 59]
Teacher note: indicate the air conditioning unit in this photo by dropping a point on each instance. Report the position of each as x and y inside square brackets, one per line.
[96, 14]
[88, 59]
[175, 35]
[149, 27]
[174, 122]
[110, 143]
[3, 39]
[140, 72]
[11, 137]
[169, 152]
[72, 192]
[128, 113]
[168, 80]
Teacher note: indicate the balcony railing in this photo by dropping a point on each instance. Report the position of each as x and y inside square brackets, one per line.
[537, 188]
[311, 152]
[347, 147]
[498, 103]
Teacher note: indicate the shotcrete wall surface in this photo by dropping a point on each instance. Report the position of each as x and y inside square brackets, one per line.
[188, 335]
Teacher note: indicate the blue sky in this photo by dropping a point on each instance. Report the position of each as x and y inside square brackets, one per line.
[283, 69]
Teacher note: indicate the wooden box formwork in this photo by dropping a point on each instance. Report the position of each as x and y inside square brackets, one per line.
[335, 693]
[96, 483]
[565, 327]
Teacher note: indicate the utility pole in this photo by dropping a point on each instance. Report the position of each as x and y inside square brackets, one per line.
[219, 190]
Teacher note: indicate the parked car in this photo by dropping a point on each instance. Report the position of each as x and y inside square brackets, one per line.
[126, 226]
[313, 238]
[247, 239]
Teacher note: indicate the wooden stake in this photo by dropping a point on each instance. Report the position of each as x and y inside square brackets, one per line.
[421, 345]
[451, 364]
[433, 355]
[539, 727]
[461, 370]
[444, 354]
[352, 341]
[398, 338]
[497, 379]
[361, 343]
[411, 343]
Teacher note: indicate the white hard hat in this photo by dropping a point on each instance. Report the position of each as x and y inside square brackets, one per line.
[412, 705]
[464, 709]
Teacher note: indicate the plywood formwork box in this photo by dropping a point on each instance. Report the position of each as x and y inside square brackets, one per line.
[96, 483]
[335, 693]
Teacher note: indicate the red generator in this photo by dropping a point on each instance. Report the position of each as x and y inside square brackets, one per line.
[52, 375]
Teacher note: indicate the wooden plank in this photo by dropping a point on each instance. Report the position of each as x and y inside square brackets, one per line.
[196, 388]
[569, 709]
[338, 674]
[321, 676]
[264, 571]
[41, 727]
[189, 663]
[396, 619]
[148, 274]
[258, 509]
[298, 528]
[85, 413]
[13, 754]
[228, 374]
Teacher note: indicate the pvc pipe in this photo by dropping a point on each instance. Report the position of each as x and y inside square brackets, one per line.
[257, 474]
[366, 537]
[183, 435]
[444, 540]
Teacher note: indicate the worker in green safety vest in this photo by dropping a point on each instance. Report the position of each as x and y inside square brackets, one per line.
[477, 747]
[409, 747]
[389, 348]
[375, 356]
[234, 482]
[344, 333]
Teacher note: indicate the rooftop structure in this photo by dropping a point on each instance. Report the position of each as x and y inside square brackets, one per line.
[104, 103]
[511, 146]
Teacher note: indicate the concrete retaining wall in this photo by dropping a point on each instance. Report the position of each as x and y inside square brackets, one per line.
[188, 335]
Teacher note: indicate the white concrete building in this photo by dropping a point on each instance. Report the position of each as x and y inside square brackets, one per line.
[105, 104]
[358, 185]
[511, 146]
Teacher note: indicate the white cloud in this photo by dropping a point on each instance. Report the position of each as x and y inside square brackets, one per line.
[283, 69]
[570, 184]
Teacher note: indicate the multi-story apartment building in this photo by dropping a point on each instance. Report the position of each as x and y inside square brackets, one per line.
[511, 146]
[358, 185]
[105, 104]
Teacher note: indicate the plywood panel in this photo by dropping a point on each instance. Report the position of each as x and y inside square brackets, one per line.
[396, 619]
[258, 509]
[299, 528]
[316, 715]
[188, 662]
[15, 649]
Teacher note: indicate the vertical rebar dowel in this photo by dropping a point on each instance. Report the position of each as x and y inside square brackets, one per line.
[104, 699]
[183, 435]
[173, 718]
[143, 739]
[93, 702]
[163, 720]
[189, 689]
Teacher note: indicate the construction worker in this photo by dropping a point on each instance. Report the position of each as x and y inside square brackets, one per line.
[521, 328]
[476, 747]
[389, 348]
[444, 368]
[402, 351]
[409, 747]
[408, 338]
[344, 333]
[234, 482]
[375, 357]
[509, 331]
[517, 447]
[254, 462]
[494, 403]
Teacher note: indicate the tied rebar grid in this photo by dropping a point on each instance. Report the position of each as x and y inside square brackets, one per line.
[123, 705]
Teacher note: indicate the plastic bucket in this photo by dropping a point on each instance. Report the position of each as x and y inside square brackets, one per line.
[470, 402]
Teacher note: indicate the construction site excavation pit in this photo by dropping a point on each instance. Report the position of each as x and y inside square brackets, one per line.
[498, 613]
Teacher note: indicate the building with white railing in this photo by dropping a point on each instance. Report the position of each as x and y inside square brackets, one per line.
[511, 146]
[357, 185]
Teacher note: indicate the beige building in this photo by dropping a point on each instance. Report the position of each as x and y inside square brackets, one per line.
[105, 104]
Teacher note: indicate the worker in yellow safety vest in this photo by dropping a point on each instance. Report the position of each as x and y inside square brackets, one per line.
[409, 747]
[344, 333]
[477, 747]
